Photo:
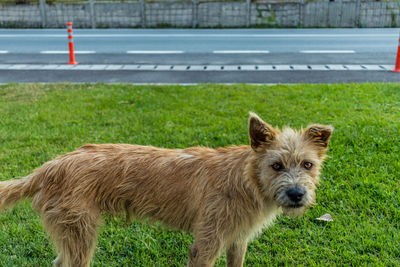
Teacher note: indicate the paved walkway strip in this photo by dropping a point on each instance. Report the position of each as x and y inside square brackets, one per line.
[147, 67]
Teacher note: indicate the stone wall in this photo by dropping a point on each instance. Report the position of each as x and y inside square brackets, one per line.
[20, 16]
[178, 14]
[58, 15]
[380, 14]
[204, 14]
[276, 15]
[222, 14]
[117, 15]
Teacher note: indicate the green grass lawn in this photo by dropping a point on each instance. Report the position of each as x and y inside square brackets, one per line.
[359, 186]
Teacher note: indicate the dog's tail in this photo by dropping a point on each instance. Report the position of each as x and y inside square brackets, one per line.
[14, 190]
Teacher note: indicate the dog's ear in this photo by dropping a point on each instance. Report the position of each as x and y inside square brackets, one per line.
[261, 133]
[319, 134]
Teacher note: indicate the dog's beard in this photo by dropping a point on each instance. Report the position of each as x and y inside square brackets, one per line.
[278, 191]
[290, 208]
[292, 211]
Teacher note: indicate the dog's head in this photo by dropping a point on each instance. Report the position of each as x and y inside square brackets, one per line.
[288, 162]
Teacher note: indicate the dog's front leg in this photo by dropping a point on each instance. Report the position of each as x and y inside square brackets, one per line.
[235, 254]
[209, 242]
[203, 254]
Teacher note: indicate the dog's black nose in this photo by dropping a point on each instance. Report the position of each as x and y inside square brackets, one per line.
[295, 194]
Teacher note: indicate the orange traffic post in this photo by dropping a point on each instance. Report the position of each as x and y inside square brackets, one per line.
[397, 67]
[71, 45]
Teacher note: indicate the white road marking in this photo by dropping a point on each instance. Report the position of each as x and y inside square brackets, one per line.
[373, 67]
[231, 67]
[387, 67]
[336, 67]
[49, 67]
[212, 68]
[65, 67]
[318, 67]
[114, 67]
[265, 67]
[54, 52]
[354, 67]
[328, 51]
[181, 67]
[154, 52]
[197, 67]
[248, 67]
[49, 52]
[85, 52]
[163, 67]
[67, 52]
[300, 67]
[83, 67]
[130, 67]
[282, 67]
[241, 52]
[147, 67]
[98, 67]
[18, 67]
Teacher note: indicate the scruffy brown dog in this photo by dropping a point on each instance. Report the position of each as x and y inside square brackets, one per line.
[223, 196]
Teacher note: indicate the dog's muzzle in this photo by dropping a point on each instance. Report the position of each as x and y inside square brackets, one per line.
[295, 196]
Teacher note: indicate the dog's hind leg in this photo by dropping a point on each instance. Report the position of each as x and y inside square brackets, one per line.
[74, 235]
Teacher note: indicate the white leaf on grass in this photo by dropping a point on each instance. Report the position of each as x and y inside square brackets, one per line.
[326, 217]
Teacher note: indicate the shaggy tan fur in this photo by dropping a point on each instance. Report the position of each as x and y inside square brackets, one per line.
[223, 196]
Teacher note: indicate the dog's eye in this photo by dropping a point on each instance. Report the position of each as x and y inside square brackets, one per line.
[277, 166]
[308, 165]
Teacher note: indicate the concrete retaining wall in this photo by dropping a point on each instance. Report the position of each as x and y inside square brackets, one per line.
[222, 15]
[20, 16]
[204, 14]
[177, 14]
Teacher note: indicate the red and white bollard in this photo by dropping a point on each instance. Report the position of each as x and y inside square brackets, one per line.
[397, 67]
[71, 45]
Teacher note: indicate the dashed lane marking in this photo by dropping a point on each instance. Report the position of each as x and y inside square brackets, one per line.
[327, 51]
[167, 67]
[240, 51]
[155, 52]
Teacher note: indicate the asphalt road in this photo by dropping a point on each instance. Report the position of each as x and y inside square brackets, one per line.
[218, 49]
